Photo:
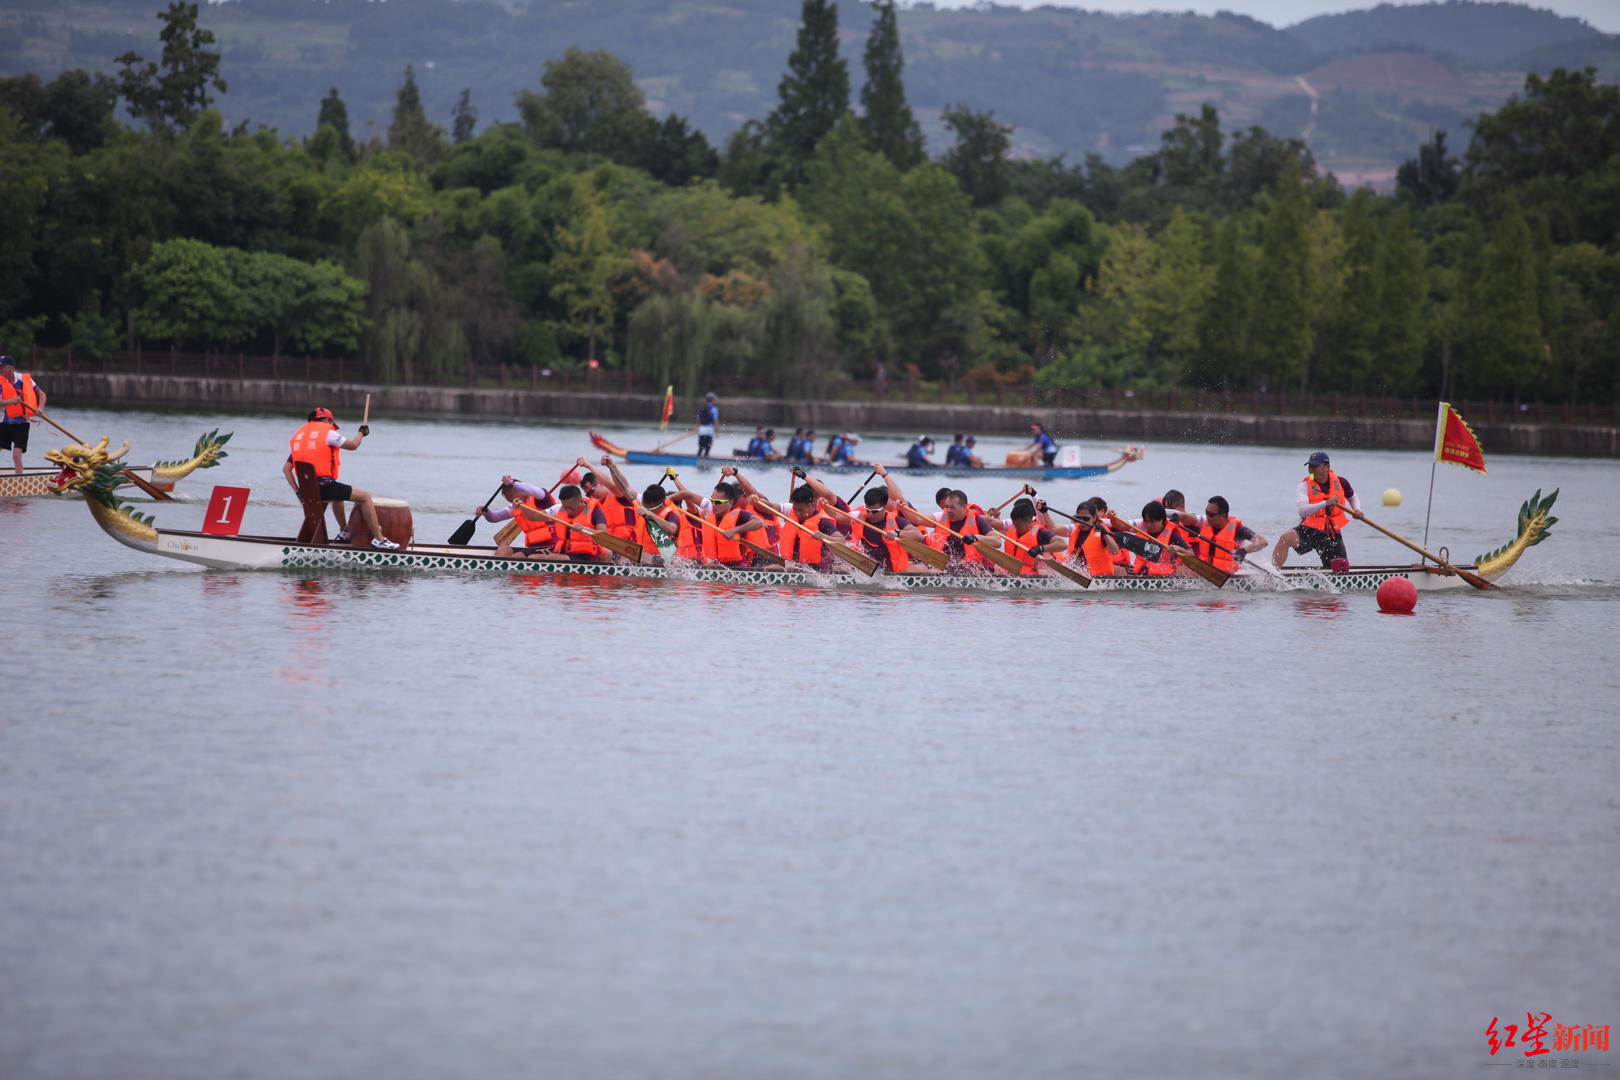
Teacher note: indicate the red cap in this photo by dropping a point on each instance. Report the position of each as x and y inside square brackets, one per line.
[324, 414]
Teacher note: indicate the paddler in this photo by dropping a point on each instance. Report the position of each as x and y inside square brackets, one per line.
[611, 496]
[877, 525]
[753, 500]
[1175, 509]
[1222, 540]
[1322, 500]
[657, 518]
[319, 445]
[1172, 541]
[919, 456]
[1091, 547]
[841, 449]
[957, 515]
[1029, 537]
[577, 510]
[804, 506]
[726, 520]
[538, 536]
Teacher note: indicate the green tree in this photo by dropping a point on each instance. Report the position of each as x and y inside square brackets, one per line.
[585, 267]
[335, 115]
[1500, 349]
[171, 93]
[1191, 151]
[1402, 303]
[1226, 360]
[675, 153]
[978, 159]
[187, 293]
[464, 120]
[1432, 177]
[814, 94]
[591, 105]
[801, 334]
[890, 127]
[1350, 348]
[1282, 325]
[410, 130]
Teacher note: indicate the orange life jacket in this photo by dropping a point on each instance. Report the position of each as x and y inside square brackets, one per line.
[1337, 516]
[1165, 564]
[716, 548]
[799, 547]
[899, 559]
[308, 445]
[1026, 540]
[535, 532]
[1098, 559]
[574, 542]
[25, 403]
[1226, 538]
[644, 533]
[938, 537]
[621, 517]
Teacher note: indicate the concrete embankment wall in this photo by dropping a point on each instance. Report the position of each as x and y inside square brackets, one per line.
[296, 398]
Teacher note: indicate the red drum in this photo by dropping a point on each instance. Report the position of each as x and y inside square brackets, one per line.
[393, 516]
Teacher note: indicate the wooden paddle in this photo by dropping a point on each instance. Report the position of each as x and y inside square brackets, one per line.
[763, 552]
[1011, 564]
[465, 532]
[1208, 571]
[1025, 490]
[660, 447]
[1467, 575]
[365, 417]
[155, 492]
[859, 560]
[868, 480]
[626, 549]
[508, 532]
[916, 548]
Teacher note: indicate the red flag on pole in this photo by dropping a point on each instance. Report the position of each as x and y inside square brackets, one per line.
[1455, 442]
[669, 408]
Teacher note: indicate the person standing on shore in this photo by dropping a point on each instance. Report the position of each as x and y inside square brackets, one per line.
[1322, 500]
[708, 421]
[23, 399]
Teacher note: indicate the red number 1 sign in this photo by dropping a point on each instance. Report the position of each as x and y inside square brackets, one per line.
[225, 509]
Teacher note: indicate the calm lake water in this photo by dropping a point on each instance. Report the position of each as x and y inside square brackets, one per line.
[261, 825]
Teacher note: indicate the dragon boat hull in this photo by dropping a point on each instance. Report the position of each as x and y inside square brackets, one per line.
[1038, 472]
[280, 553]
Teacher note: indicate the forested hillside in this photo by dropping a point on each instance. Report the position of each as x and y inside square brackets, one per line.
[817, 242]
[1067, 81]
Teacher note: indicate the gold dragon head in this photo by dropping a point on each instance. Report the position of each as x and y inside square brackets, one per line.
[85, 466]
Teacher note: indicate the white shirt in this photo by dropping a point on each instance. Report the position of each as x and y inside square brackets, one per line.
[1302, 500]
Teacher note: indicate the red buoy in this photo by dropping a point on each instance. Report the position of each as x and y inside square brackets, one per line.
[1397, 596]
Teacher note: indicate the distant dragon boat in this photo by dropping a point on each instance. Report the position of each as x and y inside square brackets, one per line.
[1033, 472]
[96, 473]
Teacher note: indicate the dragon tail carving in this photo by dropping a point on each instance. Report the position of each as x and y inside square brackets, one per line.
[1535, 521]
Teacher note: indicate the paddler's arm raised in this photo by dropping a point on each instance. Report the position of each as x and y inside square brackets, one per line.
[896, 496]
[821, 490]
[730, 472]
[618, 477]
[605, 483]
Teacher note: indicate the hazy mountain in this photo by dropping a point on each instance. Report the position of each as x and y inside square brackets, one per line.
[1364, 88]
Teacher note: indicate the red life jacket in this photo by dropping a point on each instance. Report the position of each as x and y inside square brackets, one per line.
[798, 547]
[308, 445]
[716, 548]
[575, 542]
[18, 404]
[1317, 493]
[1099, 561]
[644, 533]
[868, 540]
[535, 532]
[1226, 538]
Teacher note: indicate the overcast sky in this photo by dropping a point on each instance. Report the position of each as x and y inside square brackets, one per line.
[1602, 14]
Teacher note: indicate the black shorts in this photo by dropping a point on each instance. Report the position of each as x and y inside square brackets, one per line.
[336, 491]
[705, 444]
[14, 436]
[1327, 545]
[1049, 457]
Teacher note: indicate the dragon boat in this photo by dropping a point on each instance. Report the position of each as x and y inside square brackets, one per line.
[1034, 472]
[97, 474]
[162, 475]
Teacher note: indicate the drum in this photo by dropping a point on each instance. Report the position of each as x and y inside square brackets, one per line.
[1020, 459]
[394, 518]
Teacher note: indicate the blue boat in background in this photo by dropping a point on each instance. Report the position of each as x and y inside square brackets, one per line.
[1029, 472]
